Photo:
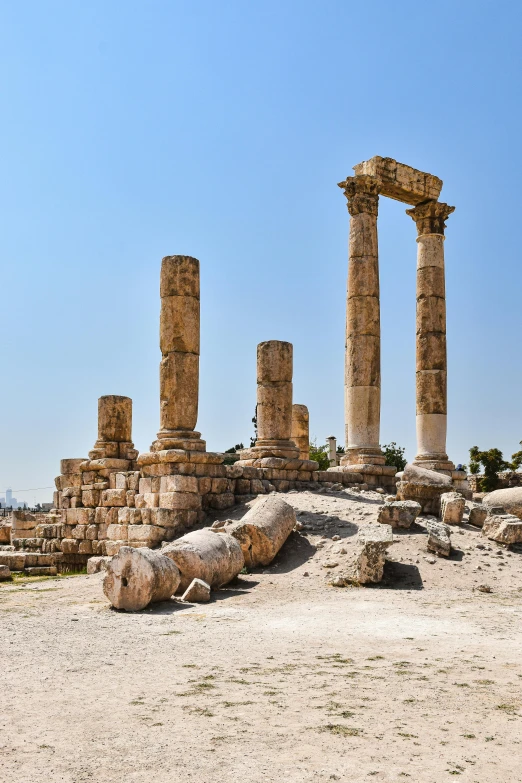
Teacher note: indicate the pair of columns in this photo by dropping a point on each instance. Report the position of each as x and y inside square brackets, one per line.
[363, 336]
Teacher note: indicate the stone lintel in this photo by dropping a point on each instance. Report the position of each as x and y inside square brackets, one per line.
[400, 182]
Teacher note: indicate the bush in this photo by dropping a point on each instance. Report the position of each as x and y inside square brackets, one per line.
[320, 455]
[492, 461]
[394, 455]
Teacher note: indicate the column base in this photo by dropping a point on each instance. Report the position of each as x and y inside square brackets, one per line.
[285, 449]
[363, 455]
[438, 462]
[112, 449]
[189, 440]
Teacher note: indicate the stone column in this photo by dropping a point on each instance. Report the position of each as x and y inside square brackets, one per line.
[363, 331]
[179, 343]
[431, 369]
[274, 402]
[332, 451]
[301, 430]
[114, 428]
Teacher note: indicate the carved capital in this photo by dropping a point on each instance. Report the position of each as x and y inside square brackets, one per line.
[362, 193]
[430, 217]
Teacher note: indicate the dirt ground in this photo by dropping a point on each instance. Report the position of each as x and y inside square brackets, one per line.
[281, 677]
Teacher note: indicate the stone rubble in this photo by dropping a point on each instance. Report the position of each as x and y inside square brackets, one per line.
[439, 540]
[452, 507]
[401, 513]
[198, 592]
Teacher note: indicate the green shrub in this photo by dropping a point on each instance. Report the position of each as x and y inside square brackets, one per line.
[394, 455]
[320, 454]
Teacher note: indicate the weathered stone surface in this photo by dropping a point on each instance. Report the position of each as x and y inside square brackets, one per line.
[424, 486]
[372, 544]
[400, 513]
[263, 530]
[400, 182]
[5, 533]
[96, 564]
[5, 573]
[198, 592]
[503, 528]
[477, 514]
[452, 507]
[300, 430]
[114, 418]
[510, 499]
[137, 577]
[216, 558]
[439, 540]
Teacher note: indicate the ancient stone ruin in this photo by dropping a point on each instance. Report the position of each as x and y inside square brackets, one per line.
[118, 498]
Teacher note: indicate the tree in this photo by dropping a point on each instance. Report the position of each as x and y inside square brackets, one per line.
[394, 455]
[493, 462]
[320, 454]
[253, 440]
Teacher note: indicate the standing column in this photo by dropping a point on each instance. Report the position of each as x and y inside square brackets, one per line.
[301, 430]
[431, 369]
[114, 428]
[363, 331]
[274, 402]
[179, 343]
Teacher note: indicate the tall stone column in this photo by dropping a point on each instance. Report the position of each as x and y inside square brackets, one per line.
[431, 367]
[274, 402]
[179, 343]
[363, 331]
[301, 430]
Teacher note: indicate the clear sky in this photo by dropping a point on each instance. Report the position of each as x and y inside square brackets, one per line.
[133, 130]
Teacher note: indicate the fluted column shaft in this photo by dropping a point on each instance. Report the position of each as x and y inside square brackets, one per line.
[363, 331]
[431, 359]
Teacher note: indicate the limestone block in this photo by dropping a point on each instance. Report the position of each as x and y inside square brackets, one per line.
[363, 248]
[118, 532]
[133, 480]
[130, 497]
[439, 540]
[73, 492]
[364, 405]
[430, 251]
[257, 487]
[91, 532]
[197, 592]
[5, 533]
[5, 573]
[176, 519]
[274, 411]
[216, 558]
[137, 577]
[179, 276]
[113, 547]
[363, 364]
[431, 433]
[452, 507]
[85, 547]
[363, 316]
[504, 528]
[145, 485]
[181, 500]
[220, 485]
[178, 484]
[14, 560]
[424, 486]
[100, 516]
[114, 497]
[236, 471]
[431, 351]
[372, 544]
[222, 501]
[400, 513]
[214, 471]
[149, 533]
[97, 564]
[120, 481]
[179, 389]
[204, 485]
[431, 394]
[510, 499]
[263, 530]
[477, 514]
[401, 182]
[124, 515]
[274, 362]
[91, 498]
[71, 465]
[431, 314]
[69, 546]
[430, 282]
[114, 418]
[179, 324]
[242, 487]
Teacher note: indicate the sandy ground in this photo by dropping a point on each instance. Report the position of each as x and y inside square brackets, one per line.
[280, 677]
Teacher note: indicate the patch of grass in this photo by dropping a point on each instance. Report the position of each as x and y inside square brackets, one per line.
[376, 658]
[342, 731]
[461, 684]
[407, 736]
[195, 711]
[510, 709]
[236, 703]
[171, 633]
[409, 701]
[189, 666]
[468, 736]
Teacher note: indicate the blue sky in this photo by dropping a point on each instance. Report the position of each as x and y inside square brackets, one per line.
[133, 130]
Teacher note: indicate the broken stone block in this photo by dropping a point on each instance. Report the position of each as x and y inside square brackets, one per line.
[96, 564]
[504, 528]
[216, 558]
[198, 592]
[477, 514]
[5, 573]
[263, 530]
[439, 540]
[137, 577]
[114, 497]
[510, 499]
[452, 507]
[372, 542]
[424, 486]
[5, 533]
[401, 513]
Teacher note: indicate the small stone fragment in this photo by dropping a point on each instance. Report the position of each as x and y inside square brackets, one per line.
[198, 592]
[477, 514]
[5, 573]
[504, 528]
[439, 540]
[452, 507]
[401, 513]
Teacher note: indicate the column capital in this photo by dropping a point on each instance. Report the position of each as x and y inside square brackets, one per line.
[362, 193]
[430, 217]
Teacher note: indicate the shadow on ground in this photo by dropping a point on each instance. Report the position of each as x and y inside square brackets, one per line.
[401, 576]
